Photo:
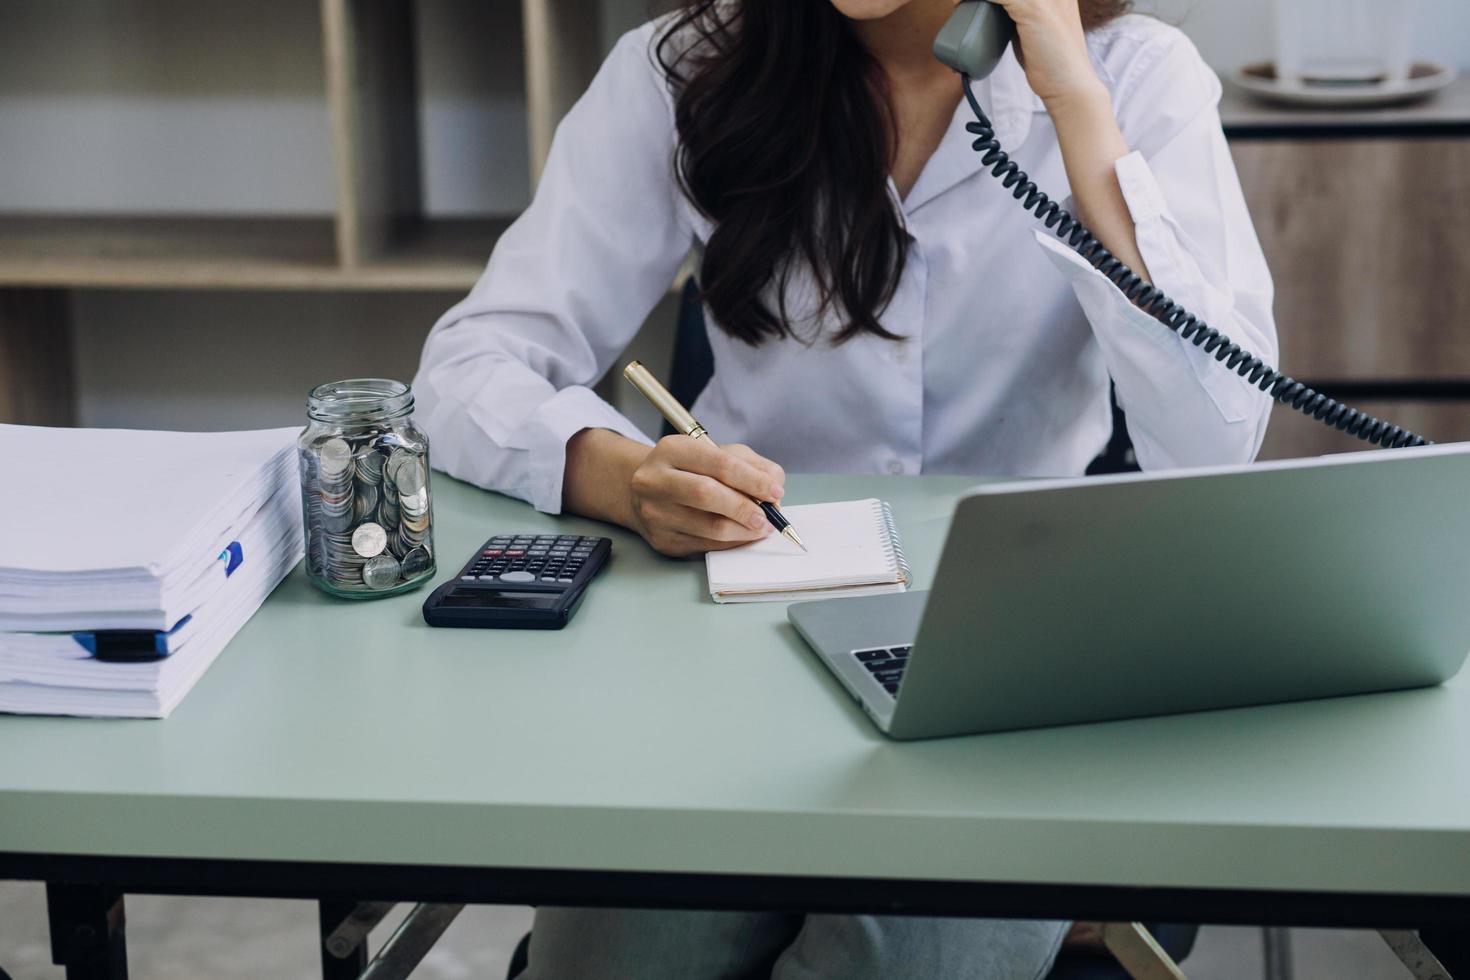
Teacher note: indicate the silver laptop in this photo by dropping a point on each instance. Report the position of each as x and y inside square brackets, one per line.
[1082, 600]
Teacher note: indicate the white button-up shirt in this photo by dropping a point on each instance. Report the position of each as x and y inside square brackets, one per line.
[1011, 338]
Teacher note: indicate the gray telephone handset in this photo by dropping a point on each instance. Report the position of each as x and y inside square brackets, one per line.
[972, 42]
[975, 37]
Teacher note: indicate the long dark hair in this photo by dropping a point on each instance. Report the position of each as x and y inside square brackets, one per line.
[776, 105]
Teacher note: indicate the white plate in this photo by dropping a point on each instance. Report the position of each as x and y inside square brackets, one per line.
[1425, 78]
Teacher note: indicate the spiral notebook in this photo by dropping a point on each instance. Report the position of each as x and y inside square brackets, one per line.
[853, 549]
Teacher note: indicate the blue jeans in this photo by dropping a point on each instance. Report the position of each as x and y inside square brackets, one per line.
[627, 944]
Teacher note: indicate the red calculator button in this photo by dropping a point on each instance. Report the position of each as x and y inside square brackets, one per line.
[494, 552]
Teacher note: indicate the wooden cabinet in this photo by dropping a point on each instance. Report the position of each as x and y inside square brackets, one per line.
[1366, 241]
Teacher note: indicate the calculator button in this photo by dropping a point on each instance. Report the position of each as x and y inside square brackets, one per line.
[514, 552]
[466, 578]
[488, 578]
[548, 578]
[492, 552]
[517, 576]
[566, 580]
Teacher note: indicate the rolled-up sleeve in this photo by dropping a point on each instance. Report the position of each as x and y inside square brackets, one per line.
[1197, 240]
[504, 378]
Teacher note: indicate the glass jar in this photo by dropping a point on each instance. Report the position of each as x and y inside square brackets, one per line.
[365, 490]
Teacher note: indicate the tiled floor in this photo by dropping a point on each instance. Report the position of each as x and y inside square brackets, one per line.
[236, 939]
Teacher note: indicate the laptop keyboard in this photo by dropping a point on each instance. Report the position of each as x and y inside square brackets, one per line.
[886, 664]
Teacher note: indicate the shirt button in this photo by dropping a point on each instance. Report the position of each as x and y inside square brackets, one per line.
[895, 466]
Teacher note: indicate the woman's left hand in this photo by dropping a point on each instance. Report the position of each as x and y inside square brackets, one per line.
[1053, 49]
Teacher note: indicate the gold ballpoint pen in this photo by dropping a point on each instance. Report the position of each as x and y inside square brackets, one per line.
[681, 420]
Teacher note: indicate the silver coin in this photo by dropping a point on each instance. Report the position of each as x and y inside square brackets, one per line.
[390, 468]
[366, 495]
[370, 467]
[407, 470]
[380, 572]
[369, 540]
[335, 457]
[414, 505]
[415, 563]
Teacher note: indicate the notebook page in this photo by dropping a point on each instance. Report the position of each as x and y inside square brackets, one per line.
[848, 544]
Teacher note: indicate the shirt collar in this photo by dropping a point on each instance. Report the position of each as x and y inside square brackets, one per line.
[1009, 102]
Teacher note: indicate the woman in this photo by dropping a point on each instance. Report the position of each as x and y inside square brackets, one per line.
[877, 304]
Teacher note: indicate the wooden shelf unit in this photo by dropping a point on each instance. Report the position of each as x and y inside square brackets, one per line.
[150, 252]
[379, 237]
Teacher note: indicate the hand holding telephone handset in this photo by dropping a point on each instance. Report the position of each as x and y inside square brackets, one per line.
[972, 42]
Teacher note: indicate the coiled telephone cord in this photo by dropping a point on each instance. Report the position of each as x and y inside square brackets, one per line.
[1282, 387]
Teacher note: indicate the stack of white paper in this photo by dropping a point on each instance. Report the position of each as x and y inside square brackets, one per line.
[174, 537]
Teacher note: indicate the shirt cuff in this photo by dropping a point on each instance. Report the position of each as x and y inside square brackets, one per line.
[1136, 345]
[554, 422]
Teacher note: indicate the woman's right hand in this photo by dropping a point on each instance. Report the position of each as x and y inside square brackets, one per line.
[689, 496]
[685, 496]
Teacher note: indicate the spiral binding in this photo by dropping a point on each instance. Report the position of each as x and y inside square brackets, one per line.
[1283, 388]
[893, 546]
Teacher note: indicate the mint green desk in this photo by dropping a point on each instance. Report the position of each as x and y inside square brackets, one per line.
[665, 751]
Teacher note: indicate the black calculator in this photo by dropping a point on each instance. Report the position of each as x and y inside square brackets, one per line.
[520, 581]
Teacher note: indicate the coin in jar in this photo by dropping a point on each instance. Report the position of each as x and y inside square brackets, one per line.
[380, 572]
[335, 456]
[369, 467]
[408, 472]
[415, 562]
[369, 540]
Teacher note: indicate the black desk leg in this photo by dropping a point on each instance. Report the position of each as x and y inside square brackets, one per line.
[87, 931]
[1451, 945]
[330, 915]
